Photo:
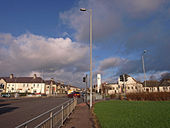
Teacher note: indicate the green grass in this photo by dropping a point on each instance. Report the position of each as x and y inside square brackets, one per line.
[133, 114]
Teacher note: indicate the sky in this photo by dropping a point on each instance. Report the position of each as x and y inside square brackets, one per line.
[51, 38]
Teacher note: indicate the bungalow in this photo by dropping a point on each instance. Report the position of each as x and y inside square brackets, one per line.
[151, 86]
[164, 85]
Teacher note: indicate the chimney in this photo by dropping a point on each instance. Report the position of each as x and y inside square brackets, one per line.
[11, 76]
[35, 76]
[52, 80]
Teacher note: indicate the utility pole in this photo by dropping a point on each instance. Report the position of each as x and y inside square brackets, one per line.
[144, 67]
[91, 83]
[86, 87]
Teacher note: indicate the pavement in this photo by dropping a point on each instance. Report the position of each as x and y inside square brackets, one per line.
[81, 117]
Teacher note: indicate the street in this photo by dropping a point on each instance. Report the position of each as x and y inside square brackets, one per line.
[14, 112]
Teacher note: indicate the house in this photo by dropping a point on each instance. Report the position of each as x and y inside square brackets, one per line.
[61, 88]
[23, 84]
[151, 86]
[50, 87]
[156, 86]
[130, 85]
[112, 88]
[164, 85]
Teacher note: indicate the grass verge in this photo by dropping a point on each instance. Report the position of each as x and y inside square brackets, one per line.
[133, 114]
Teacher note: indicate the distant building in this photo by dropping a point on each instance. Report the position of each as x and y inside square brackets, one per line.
[165, 85]
[112, 88]
[151, 86]
[156, 86]
[130, 85]
[99, 81]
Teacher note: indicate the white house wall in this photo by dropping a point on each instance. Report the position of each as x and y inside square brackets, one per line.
[26, 87]
[4, 83]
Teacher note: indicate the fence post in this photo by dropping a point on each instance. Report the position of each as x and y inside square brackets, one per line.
[51, 120]
[74, 102]
[68, 109]
[62, 115]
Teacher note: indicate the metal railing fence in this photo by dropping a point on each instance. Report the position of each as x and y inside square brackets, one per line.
[55, 117]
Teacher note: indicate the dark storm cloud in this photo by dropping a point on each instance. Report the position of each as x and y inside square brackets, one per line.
[136, 24]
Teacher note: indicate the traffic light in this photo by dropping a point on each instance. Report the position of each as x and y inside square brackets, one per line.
[121, 78]
[84, 79]
[126, 77]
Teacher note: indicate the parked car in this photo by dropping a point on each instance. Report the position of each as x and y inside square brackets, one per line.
[6, 95]
[74, 94]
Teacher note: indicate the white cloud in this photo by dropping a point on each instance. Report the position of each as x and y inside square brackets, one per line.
[32, 53]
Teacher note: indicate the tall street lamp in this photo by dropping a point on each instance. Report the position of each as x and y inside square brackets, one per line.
[83, 9]
[144, 66]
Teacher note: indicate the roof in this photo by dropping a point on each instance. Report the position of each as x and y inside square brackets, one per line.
[111, 83]
[48, 82]
[165, 82]
[73, 86]
[23, 80]
[151, 83]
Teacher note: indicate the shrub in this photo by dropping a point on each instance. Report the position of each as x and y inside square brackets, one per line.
[153, 96]
[120, 97]
[112, 96]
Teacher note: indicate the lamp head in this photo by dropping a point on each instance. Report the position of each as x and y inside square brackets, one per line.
[83, 9]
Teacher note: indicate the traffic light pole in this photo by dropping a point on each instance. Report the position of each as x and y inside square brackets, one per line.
[124, 83]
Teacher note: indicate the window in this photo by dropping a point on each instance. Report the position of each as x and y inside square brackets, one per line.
[23, 85]
[37, 85]
[132, 87]
[128, 87]
[113, 88]
[34, 85]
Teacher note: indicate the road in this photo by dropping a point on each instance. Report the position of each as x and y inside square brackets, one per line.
[14, 112]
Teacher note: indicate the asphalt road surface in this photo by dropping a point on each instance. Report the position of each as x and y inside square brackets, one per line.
[14, 112]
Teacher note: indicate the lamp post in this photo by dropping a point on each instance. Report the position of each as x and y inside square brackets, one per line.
[144, 67]
[83, 9]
